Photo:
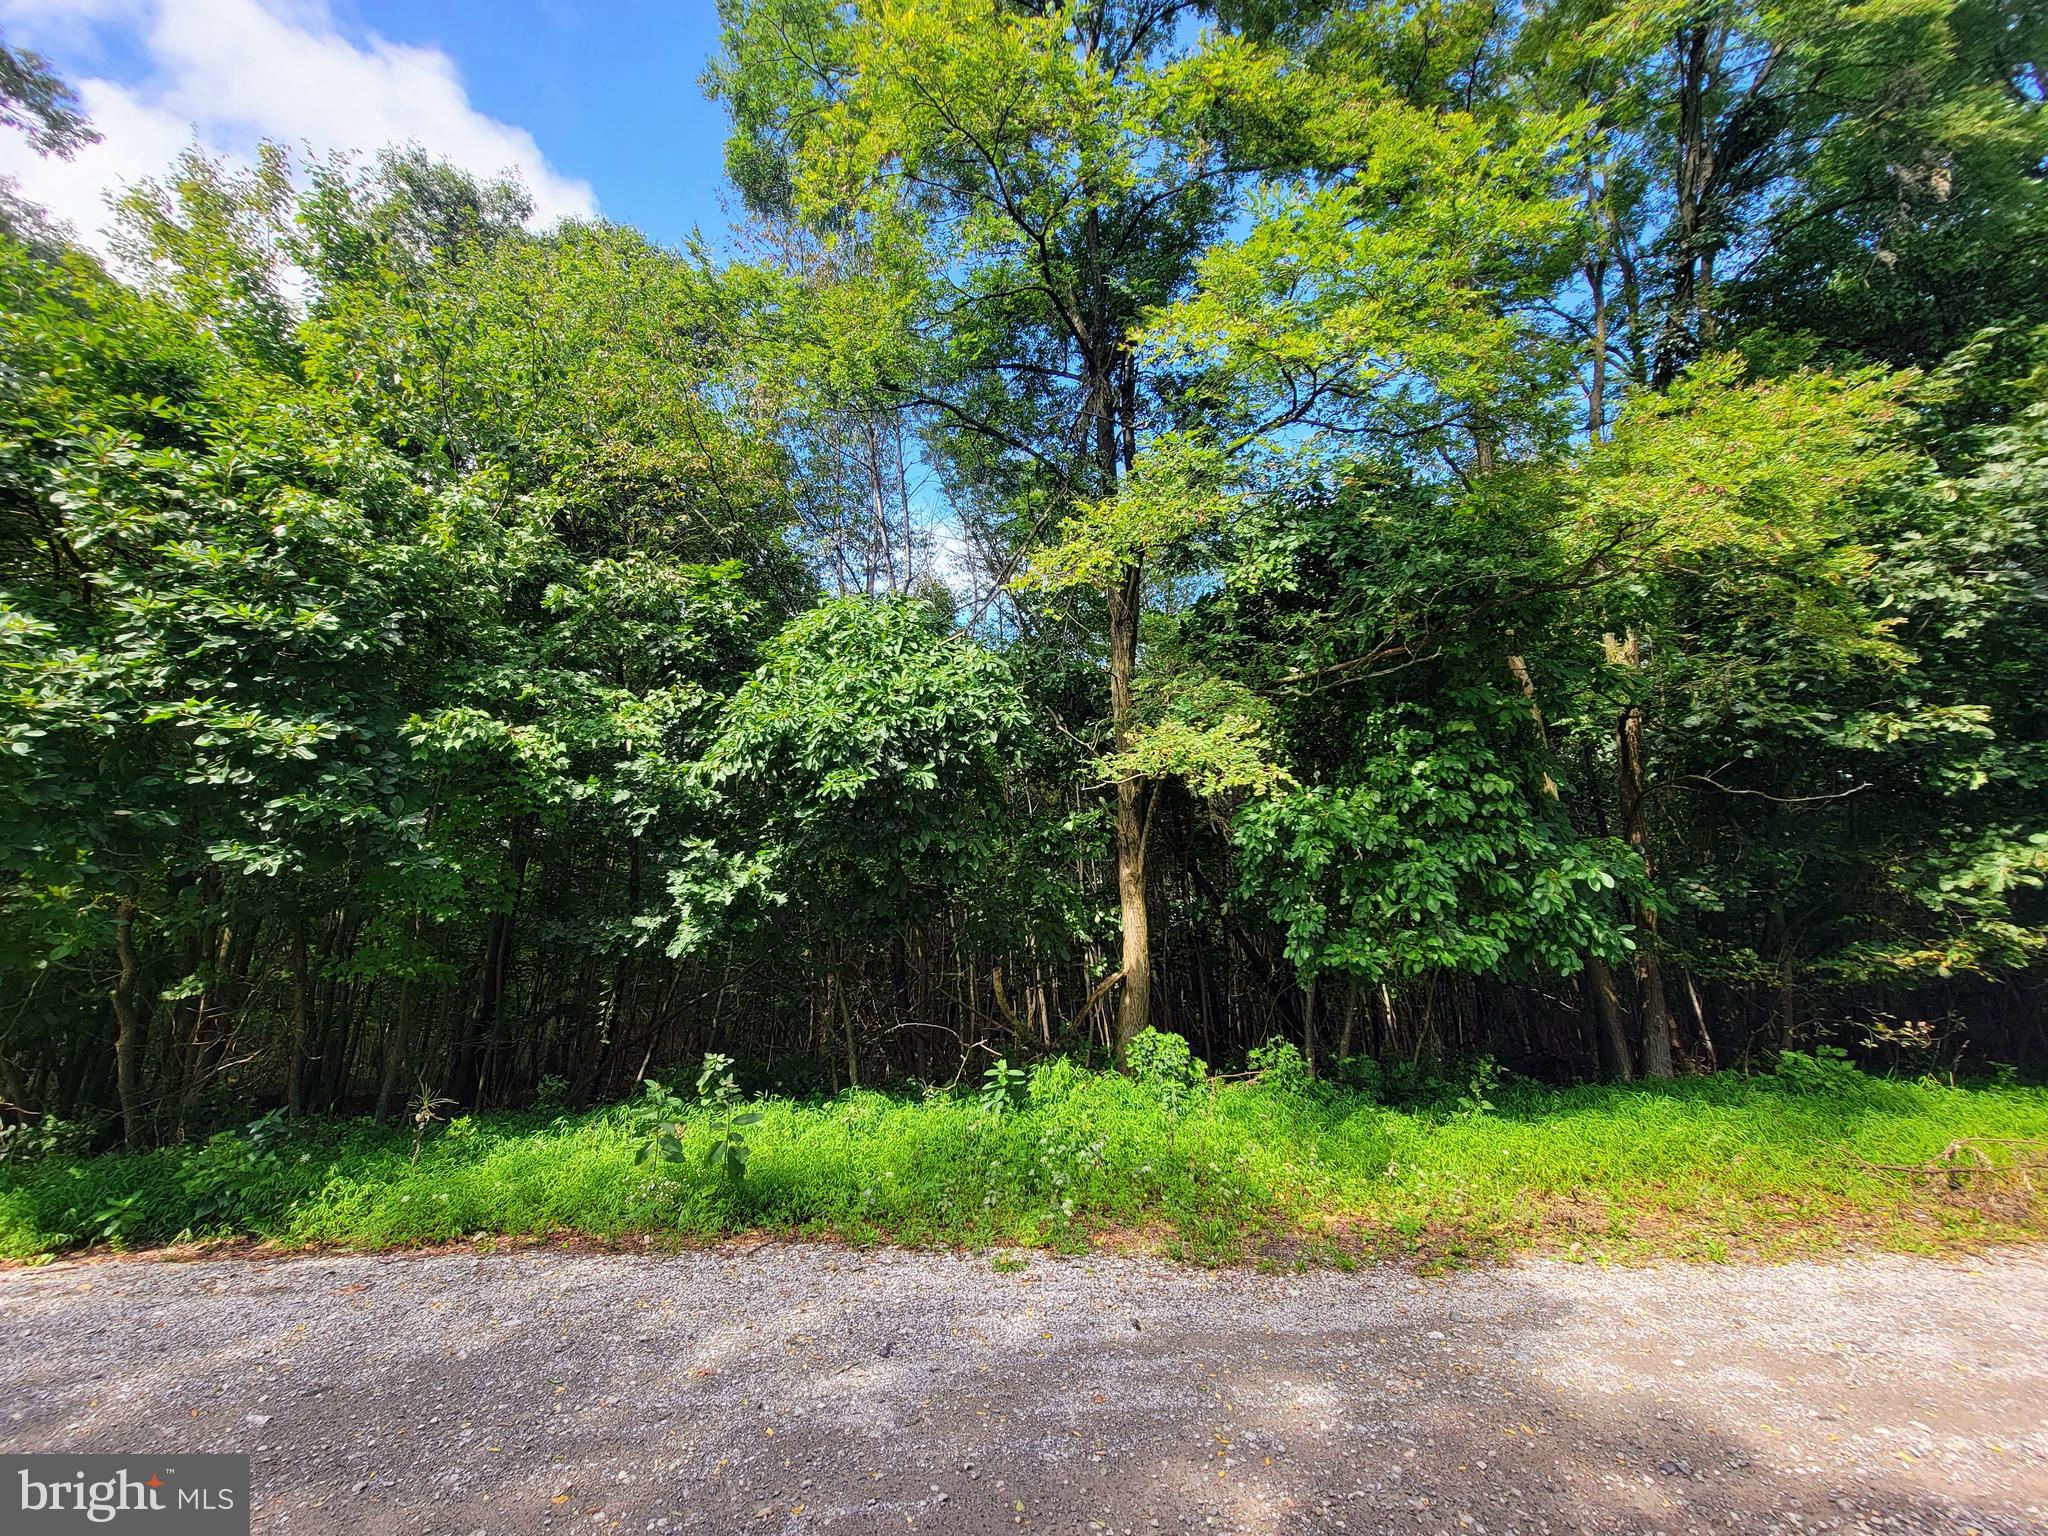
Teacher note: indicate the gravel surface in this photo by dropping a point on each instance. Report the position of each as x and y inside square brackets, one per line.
[800, 1388]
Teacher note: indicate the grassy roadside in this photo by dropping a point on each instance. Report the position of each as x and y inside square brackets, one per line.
[1704, 1168]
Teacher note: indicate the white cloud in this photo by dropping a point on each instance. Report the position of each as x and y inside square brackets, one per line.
[234, 72]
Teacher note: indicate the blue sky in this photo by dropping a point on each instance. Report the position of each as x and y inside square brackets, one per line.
[597, 106]
[610, 92]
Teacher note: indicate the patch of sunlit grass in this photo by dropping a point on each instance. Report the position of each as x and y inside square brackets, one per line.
[1702, 1169]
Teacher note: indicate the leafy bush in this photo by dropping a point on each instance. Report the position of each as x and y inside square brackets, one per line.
[656, 1120]
[1425, 1084]
[118, 1217]
[1054, 1080]
[660, 1120]
[1362, 1075]
[48, 1136]
[1281, 1068]
[1825, 1069]
[551, 1095]
[230, 1181]
[719, 1090]
[1166, 1065]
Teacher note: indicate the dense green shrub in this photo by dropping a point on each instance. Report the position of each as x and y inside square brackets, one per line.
[1281, 1067]
[1166, 1065]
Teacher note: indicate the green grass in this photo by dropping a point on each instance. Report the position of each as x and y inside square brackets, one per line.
[1704, 1168]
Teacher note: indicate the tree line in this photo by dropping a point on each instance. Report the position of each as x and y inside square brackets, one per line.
[1421, 530]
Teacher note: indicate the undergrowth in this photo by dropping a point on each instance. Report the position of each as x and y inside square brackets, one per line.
[1276, 1170]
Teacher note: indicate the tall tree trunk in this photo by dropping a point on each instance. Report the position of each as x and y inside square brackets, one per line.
[1694, 169]
[399, 1042]
[1596, 383]
[395, 1046]
[183, 1049]
[302, 1022]
[1779, 929]
[852, 1048]
[1652, 1003]
[341, 1011]
[1134, 1004]
[189, 1041]
[129, 1043]
[1308, 1028]
[471, 1062]
[1610, 1035]
[483, 1049]
[358, 1007]
[1610, 1030]
[1112, 402]
[846, 1029]
[227, 1007]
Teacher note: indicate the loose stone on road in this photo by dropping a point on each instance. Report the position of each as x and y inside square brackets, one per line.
[810, 1388]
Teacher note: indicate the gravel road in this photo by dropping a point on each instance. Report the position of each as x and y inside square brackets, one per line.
[802, 1388]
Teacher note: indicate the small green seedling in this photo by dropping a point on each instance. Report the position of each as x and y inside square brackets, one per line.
[426, 1109]
[720, 1091]
[660, 1114]
[1002, 1087]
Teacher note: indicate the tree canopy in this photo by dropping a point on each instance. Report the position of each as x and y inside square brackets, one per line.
[1407, 529]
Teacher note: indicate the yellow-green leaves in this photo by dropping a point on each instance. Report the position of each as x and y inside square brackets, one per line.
[1212, 734]
[1718, 465]
[947, 93]
[1379, 299]
[1225, 755]
[1176, 490]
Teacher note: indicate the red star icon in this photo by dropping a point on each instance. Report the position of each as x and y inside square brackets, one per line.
[155, 1481]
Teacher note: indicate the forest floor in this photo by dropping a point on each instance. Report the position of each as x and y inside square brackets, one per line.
[799, 1387]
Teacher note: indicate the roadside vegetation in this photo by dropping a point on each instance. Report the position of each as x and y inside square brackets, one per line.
[1259, 522]
[1436, 1167]
[1479, 567]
